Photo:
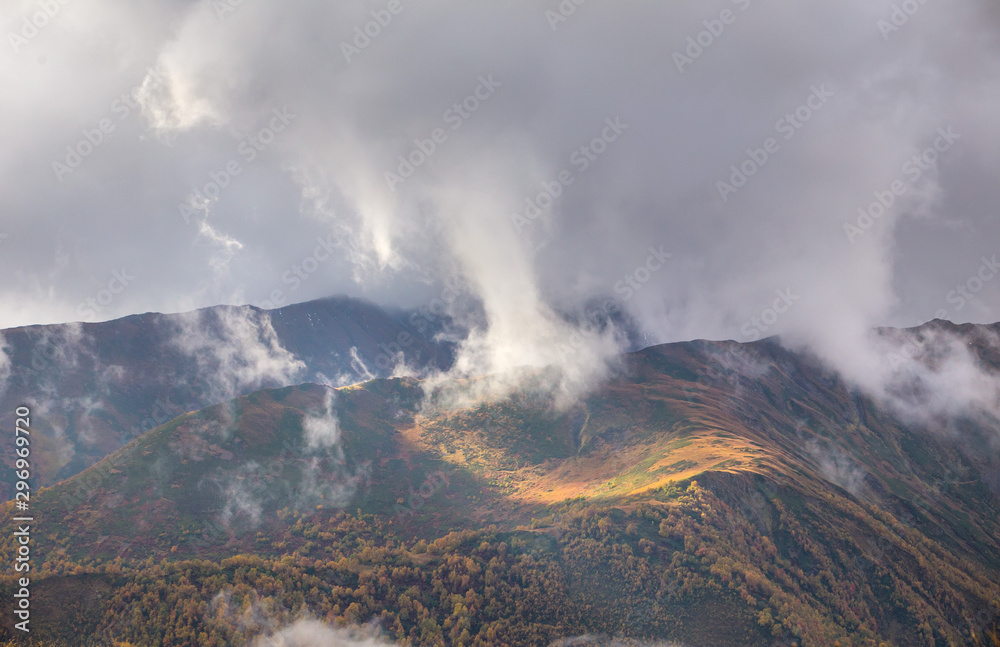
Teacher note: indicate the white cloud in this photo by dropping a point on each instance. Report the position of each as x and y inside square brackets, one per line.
[4, 365]
[236, 351]
[243, 493]
[273, 625]
[837, 467]
[315, 472]
[219, 81]
[312, 633]
[322, 431]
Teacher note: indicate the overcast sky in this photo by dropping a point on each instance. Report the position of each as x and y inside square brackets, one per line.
[702, 158]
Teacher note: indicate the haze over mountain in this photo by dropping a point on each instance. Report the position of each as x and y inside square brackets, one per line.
[94, 387]
[855, 103]
[705, 485]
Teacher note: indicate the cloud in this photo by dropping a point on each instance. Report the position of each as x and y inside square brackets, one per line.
[255, 614]
[236, 351]
[4, 365]
[270, 624]
[359, 372]
[312, 633]
[307, 473]
[837, 467]
[919, 373]
[729, 366]
[524, 349]
[933, 373]
[243, 491]
[322, 431]
[498, 113]
[61, 447]
[68, 414]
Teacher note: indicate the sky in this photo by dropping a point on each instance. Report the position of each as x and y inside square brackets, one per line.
[725, 170]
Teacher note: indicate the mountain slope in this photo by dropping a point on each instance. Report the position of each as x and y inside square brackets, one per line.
[94, 387]
[714, 493]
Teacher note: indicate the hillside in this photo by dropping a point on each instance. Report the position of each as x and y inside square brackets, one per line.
[94, 387]
[711, 493]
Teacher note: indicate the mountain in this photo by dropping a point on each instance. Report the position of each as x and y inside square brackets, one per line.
[711, 493]
[94, 387]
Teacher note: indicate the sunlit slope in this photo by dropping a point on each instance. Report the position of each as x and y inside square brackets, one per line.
[674, 413]
[678, 411]
[704, 483]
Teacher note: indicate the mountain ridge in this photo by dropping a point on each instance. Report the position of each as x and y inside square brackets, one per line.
[96, 386]
[743, 478]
